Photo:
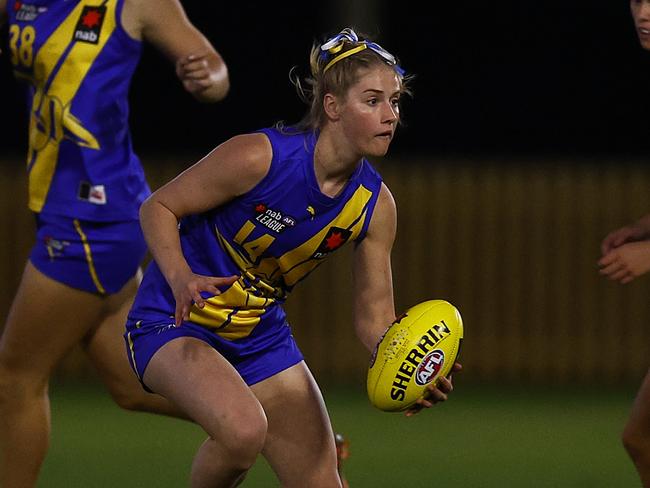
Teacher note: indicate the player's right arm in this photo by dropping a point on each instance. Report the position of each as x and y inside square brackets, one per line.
[164, 24]
[230, 170]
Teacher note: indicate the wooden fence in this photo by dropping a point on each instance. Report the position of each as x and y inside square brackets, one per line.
[513, 244]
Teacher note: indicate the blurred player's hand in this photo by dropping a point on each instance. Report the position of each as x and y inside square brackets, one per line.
[196, 74]
[629, 233]
[626, 262]
[435, 394]
[187, 290]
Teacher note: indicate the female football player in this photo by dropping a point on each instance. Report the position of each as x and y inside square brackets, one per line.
[232, 235]
[626, 255]
[85, 188]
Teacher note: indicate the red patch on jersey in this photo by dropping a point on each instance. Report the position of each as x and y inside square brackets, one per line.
[334, 241]
[92, 18]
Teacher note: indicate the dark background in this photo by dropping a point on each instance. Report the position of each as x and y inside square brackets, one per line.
[492, 78]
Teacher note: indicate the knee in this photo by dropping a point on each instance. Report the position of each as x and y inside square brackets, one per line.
[243, 438]
[17, 387]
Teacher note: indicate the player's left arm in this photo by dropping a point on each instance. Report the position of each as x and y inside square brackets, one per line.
[164, 24]
[374, 307]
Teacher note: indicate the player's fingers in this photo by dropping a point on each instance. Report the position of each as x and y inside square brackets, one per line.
[202, 76]
[424, 403]
[413, 410]
[445, 385]
[627, 279]
[198, 299]
[225, 281]
[619, 274]
[611, 268]
[607, 259]
[178, 314]
[186, 312]
[193, 85]
[436, 395]
[195, 68]
[193, 58]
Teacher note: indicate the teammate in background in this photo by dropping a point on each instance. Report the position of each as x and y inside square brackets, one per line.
[234, 233]
[85, 188]
[626, 256]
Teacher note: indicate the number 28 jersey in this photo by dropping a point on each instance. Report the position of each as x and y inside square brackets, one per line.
[271, 237]
[78, 62]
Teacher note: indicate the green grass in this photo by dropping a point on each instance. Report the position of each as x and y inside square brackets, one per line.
[485, 436]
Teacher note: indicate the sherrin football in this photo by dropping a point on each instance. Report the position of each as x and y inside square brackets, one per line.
[419, 347]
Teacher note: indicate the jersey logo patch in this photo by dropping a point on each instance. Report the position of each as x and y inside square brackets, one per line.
[55, 247]
[273, 219]
[89, 24]
[92, 193]
[334, 239]
[27, 13]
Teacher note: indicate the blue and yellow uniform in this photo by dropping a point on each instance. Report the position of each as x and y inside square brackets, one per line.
[85, 182]
[271, 237]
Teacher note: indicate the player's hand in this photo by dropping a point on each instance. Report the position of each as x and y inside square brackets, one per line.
[614, 239]
[626, 262]
[435, 393]
[195, 73]
[187, 290]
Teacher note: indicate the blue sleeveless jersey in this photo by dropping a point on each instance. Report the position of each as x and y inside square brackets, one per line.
[271, 237]
[78, 62]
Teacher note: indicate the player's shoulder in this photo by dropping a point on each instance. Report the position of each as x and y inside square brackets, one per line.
[248, 154]
[386, 200]
[139, 15]
[383, 223]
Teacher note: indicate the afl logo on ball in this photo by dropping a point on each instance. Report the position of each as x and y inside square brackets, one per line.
[429, 367]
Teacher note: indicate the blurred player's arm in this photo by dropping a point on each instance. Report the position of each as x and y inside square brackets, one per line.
[637, 231]
[626, 252]
[374, 307]
[164, 24]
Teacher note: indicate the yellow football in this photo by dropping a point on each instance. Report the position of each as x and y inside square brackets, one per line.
[419, 347]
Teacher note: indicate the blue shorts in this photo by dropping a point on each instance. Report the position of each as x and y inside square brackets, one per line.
[256, 357]
[98, 257]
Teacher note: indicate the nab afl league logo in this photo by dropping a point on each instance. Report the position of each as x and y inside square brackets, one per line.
[429, 367]
[89, 24]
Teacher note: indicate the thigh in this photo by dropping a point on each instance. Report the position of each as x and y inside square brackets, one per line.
[300, 443]
[194, 376]
[105, 345]
[45, 320]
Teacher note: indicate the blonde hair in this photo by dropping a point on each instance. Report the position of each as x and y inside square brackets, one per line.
[336, 73]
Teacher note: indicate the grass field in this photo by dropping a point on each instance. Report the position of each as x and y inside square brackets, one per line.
[485, 436]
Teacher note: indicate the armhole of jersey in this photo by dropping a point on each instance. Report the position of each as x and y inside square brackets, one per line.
[119, 7]
[370, 208]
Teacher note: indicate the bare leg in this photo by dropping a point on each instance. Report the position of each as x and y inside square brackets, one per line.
[105, 347]
[46, 319]
[636, 436]
[300, 442]
[194, 376]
